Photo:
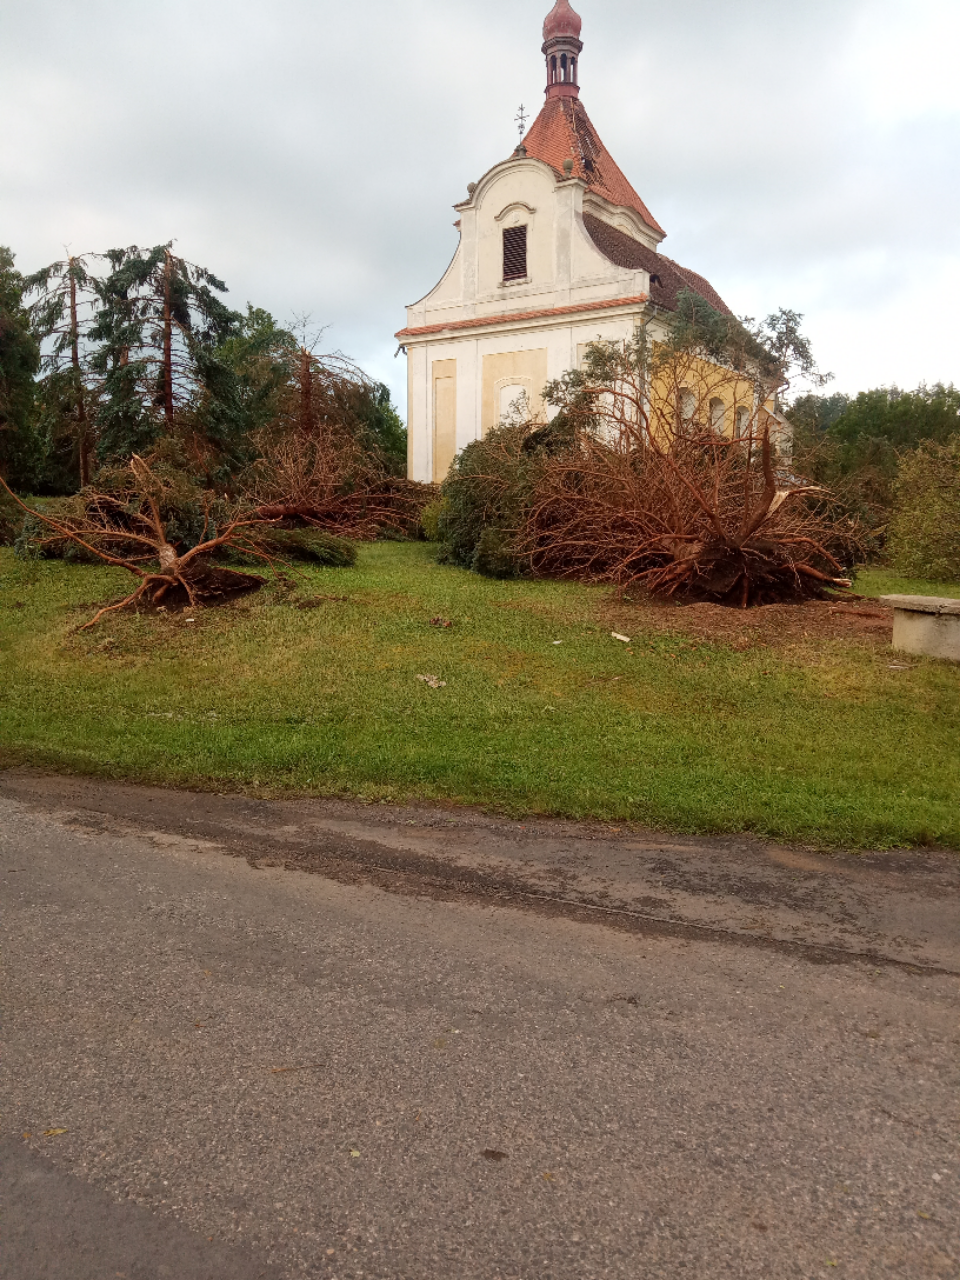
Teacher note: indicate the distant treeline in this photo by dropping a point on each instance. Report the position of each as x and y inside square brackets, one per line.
[892, 458]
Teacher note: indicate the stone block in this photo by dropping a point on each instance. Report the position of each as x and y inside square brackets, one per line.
[928, 625]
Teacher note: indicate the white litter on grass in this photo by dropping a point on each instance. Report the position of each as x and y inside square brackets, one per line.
[433, 681]
[556, 642]
[617, 636]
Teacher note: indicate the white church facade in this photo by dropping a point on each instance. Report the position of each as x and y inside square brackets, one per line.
[556, 250]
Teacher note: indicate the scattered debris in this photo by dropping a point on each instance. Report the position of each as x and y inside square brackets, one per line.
[617, 636]
[440, 622]
[53, 1133]
[901, 666]
[433, 681]
[314, 602]
[490, 1153]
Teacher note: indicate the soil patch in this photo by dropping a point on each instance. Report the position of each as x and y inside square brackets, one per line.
[770, 624]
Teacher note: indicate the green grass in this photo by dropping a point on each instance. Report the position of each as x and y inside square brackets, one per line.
[883, 582]
[819, 741]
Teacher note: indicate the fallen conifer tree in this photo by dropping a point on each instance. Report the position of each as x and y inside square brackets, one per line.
[317, 463]
[137, 523]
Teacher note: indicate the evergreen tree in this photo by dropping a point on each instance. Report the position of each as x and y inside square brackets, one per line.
[19, 363]
[260, 354]
[385, 427]
[158, 330]
[61, 316]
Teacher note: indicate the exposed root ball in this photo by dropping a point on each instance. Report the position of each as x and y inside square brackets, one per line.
[209, 585]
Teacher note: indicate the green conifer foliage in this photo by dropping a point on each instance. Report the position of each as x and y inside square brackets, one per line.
[19, 362]
[157, 334]
[61, 315]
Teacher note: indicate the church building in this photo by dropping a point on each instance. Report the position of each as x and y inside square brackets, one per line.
[556, 250]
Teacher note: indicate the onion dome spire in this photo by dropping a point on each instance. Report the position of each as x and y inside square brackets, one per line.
[561, 47]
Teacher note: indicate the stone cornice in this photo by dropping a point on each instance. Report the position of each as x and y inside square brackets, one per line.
[515, 317]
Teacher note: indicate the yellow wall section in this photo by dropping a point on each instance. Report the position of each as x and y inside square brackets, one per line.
[527, 369]
[444, 417]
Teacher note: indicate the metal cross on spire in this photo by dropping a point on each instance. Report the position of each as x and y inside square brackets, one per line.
[521, 118]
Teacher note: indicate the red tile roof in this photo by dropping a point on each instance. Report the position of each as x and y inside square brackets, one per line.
[667, 278]
[562, 131]
[450, 326]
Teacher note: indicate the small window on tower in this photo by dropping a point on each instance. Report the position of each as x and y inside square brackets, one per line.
[514, 253]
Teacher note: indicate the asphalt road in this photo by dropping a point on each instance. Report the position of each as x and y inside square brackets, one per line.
[411, 1043]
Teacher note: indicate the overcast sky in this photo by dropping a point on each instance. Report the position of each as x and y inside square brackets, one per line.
[799, 153]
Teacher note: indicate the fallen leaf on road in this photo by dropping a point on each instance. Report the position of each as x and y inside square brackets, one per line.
[617, 636]
[491, 1153]
[923, 1215]
[354, 1151]
[433, 681]
[53, 1133]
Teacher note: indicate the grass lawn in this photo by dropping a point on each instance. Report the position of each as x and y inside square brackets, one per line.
[816, 740]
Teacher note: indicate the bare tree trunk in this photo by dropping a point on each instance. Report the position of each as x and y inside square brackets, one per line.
[306, 391]
[167, 341]
[83, 432]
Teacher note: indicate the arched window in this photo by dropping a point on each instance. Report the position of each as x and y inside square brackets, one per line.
[563, 68]
[688, 406]
[514, 401]
[718, 413]
[741, 422]
[553, 69]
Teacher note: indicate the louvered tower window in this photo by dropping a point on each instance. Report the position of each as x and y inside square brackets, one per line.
[514, 253]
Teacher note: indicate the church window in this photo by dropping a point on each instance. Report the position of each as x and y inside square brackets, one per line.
[688, 406]
[514, 253]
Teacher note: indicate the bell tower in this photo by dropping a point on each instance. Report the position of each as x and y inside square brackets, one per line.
[561, 48]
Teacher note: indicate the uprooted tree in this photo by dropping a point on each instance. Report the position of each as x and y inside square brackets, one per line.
[151, 521]
[318, 478]
[321, 461]
[666, 466]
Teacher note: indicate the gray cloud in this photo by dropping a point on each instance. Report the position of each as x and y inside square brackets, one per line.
[798, 155]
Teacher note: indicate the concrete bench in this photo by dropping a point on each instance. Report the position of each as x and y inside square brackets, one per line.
[926, 624]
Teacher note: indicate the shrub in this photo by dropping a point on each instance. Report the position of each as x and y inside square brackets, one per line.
[430, 518]
[925, 530]
[484, 501]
